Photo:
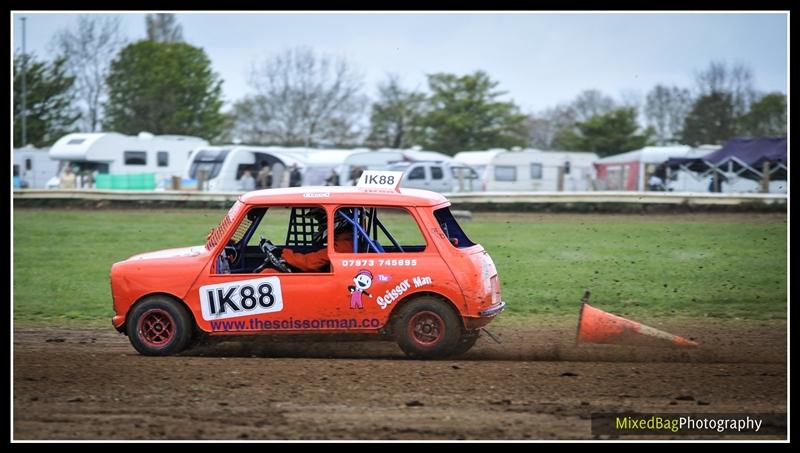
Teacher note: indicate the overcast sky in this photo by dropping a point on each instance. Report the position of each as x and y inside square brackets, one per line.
[540, 59]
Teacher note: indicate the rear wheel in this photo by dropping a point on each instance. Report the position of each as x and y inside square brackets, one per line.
[428, 328]
[159, 325]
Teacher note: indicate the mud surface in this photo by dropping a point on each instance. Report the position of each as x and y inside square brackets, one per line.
[537, 384]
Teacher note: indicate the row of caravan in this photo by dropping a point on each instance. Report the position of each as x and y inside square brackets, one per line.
[197, 164]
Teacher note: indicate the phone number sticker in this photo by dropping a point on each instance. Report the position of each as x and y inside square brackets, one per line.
[379, 262]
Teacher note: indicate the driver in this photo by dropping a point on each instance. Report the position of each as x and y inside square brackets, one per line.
[318, 260]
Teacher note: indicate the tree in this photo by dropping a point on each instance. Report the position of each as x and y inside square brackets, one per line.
[88, 51]
[736, 80]
[544, 126]
[50, 111]
[665, 110]
[766, 118]
[302, 99]
[164, 88]
[163, 28]
[395, 117]
[590, 103]
[711, 121]
[606, 134]
[464, 114]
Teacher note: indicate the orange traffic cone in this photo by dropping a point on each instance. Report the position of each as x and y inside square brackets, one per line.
[597, 326]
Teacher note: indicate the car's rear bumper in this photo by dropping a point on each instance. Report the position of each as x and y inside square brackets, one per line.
[493, 310]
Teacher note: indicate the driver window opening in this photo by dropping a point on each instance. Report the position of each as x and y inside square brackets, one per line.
[278, 239]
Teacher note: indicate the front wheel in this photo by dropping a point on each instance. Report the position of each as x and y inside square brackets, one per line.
[428, 329]
[159, 325]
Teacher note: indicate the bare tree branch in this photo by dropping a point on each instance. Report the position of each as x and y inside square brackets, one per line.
[89, 50]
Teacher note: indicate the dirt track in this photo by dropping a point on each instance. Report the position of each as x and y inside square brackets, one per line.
[91, 384]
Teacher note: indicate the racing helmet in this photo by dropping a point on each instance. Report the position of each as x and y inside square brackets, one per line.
[321, 217]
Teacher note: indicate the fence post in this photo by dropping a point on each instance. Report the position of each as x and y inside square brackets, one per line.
[765, 177]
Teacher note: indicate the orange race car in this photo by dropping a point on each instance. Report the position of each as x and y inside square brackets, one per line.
[399, 267]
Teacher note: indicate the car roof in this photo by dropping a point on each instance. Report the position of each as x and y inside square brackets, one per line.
[343, 195]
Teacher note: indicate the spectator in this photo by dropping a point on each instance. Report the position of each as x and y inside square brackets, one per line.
[355, 174]
[655, 183]
[332, 179]
[295, 177]
[247, 182]
[720, 179]
[67, 180]
[264, 178]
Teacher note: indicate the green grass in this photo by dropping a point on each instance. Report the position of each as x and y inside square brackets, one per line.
[682, 265]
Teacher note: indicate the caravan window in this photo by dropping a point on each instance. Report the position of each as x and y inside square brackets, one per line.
[135, 157]
[163, 158]
[28, 164]
[76, 141]
[505, 173]
[536, 171]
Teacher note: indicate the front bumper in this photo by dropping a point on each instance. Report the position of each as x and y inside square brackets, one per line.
[493, 310]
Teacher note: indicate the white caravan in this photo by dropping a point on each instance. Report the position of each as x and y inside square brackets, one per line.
[117, 154]
[33, 168]
[535, 170]
[221, 167]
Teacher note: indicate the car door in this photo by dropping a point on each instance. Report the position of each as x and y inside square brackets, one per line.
[270, 301]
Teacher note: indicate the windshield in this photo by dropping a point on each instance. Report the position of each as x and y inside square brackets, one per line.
[217, 233]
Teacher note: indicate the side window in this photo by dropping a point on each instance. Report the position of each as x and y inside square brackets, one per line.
[135, 157]
[417, 173]
[437, 173]
[298, 228]
[288, 226]
[505, 173]
[163, 158]
[536, 171]
[379, 230]
[28, 164]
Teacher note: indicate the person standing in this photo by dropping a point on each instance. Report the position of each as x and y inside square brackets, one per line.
[295, 177]
[264, 179]
[247, 182]
[67, 180]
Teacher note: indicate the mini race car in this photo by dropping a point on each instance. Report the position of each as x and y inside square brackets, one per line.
[398, 266]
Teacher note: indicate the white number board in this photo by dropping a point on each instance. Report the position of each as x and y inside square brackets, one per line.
[373, 179]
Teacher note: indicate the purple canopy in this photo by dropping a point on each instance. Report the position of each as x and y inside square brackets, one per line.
[745, 156]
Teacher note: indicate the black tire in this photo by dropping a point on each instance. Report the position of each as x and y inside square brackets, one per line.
[427, 328]
[159, 325]
[466, 343]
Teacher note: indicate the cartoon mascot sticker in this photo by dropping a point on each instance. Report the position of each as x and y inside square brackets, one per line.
[362, 280]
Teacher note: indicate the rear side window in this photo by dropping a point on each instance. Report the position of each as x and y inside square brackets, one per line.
[451, 229]
[437, 173]
[380, 230]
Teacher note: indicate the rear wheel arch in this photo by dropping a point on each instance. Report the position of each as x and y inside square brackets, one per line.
[399, 307]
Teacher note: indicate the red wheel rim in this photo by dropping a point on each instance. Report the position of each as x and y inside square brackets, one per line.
[426, 328]
[156, 327]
